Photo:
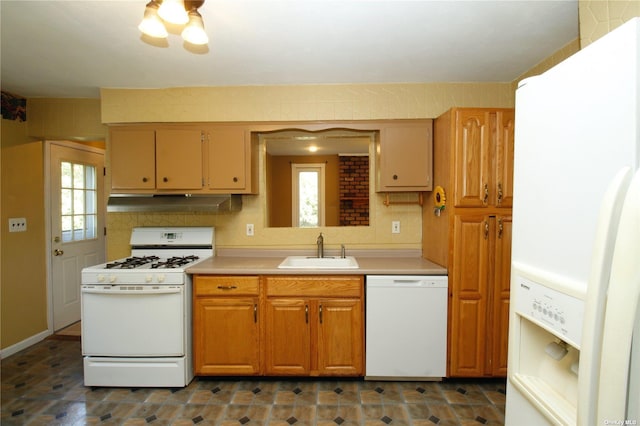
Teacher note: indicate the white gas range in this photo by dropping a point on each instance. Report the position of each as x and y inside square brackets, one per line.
[136, 311]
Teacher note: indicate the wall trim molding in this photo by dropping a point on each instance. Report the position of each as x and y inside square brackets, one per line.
[30, 341]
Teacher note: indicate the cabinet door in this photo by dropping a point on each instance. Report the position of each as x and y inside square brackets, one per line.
[340, 337]
[179, 159]
[226, 336]
[132, 157]
[468, 318]
[472, 158]
[405, 159]
[500, 297]
[287, 337]
[504, 158]
[227, 159]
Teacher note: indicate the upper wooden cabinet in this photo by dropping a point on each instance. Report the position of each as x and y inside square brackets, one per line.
[231, 161]
[482, 159]
[156, 159]
[189, 158]
[404, 157]
[179, 159]
[133, 159]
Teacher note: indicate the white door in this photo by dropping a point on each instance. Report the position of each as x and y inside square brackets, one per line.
[77, 224]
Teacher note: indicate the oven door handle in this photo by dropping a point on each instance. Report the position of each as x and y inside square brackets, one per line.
[161, 290]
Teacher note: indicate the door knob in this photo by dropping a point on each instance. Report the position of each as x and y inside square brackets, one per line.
[58, 252]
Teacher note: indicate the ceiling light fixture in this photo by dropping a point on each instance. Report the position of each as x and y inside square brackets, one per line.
[173, 11]
[176, 12]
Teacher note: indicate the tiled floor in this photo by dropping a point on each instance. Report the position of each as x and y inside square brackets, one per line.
[42, 385]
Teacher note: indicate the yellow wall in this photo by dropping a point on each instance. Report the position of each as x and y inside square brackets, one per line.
[23, 303]
[24, 295]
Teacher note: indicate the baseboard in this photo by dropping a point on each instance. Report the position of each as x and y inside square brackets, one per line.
[6, 352]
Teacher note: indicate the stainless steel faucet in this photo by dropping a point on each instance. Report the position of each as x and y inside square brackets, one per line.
[320, 244]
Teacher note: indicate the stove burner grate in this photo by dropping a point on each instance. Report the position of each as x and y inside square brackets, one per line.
[132, 262]
[174, 262]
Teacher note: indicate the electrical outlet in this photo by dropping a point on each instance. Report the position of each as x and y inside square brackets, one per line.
[250, 229]
[17, 224]
[395, 227]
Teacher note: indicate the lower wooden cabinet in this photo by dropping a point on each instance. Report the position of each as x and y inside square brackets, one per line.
[314, 337]
[340, 337]
[479, 310]
[226, 325]
[279, 325]
[314, 325]
[287, 337]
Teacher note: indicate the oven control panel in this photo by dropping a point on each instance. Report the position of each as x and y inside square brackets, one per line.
[132, 277]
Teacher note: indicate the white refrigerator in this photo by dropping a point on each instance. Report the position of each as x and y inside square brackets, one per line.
[575, 280]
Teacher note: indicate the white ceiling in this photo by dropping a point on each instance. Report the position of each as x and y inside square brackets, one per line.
[61, 48]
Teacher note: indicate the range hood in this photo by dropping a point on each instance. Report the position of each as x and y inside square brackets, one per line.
[174, 203]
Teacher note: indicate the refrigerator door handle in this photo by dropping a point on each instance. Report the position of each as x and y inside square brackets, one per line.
[621, 313]
[591, 347]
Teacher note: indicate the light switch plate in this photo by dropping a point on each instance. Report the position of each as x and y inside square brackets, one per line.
[395, 227]
[17, 224]
[250, 229]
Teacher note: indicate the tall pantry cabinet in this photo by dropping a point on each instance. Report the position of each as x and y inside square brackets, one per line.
[467, 228]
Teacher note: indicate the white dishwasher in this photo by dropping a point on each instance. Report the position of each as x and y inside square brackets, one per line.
[406, 327]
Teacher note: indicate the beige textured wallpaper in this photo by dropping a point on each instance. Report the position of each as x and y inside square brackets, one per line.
[296, 103]
[599, 17]
[292, 103]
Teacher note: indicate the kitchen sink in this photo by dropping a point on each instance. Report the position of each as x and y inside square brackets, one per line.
[307, 262]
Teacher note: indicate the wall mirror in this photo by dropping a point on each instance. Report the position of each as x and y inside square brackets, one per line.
[317, 178]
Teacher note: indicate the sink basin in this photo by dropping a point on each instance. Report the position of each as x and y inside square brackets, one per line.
[306, 262]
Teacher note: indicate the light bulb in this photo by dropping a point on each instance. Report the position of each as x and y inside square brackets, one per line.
[194, 31]
[173, 11]
[151, 24]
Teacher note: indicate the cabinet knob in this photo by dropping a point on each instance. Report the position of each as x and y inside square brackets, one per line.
[144, 179]
[165, 179]
[235, 179]
[395, 177]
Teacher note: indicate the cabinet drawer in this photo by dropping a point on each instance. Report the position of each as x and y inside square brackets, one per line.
[323, 286]
[206, 285]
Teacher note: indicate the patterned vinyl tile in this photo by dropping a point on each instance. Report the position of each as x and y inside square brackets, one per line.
[43, 385]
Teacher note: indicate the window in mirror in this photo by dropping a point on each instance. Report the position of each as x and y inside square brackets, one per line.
[345, 155]
[308, 195]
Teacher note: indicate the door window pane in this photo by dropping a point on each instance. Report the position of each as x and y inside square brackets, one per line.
[78, 202]
[308, 196]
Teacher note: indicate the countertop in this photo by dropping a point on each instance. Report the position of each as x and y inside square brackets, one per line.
[268, 265]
